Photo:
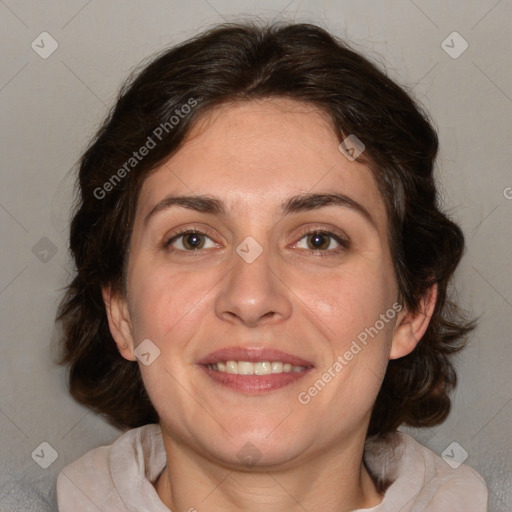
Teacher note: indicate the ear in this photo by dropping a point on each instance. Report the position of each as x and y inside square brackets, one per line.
[119, 321]
[410, 327]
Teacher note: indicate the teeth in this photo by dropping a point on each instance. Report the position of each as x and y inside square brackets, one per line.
[277, 367]
[231, 367]
[259, 368]
[245, 368]
[262, 368]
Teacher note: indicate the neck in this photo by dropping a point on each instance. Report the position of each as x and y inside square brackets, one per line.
[336, 479]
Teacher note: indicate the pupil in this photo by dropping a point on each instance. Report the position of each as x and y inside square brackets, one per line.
[318, 240]
[193, 240]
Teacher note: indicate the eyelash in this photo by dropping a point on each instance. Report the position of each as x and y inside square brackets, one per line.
[344, 243]
[182, 233]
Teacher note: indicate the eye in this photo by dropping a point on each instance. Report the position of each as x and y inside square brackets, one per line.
[322, 241]
[190, 240]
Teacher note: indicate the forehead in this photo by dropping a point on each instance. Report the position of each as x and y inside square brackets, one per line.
[255, 155]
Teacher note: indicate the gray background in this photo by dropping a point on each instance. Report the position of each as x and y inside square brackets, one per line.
[51, 107]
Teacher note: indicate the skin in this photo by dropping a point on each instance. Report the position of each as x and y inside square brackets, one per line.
[294, 297]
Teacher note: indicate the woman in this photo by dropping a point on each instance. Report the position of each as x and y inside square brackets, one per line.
[261, 288]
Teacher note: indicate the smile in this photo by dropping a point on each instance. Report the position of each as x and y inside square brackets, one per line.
[254, 370]
[259, 368]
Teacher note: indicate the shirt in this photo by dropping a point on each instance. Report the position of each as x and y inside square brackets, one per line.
[120, 477]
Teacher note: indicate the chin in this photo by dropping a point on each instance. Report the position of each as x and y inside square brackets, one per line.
[259, 446]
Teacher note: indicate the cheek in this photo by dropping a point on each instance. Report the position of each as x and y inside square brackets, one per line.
[357, 343]
[164, 302]
[347, 301]
[167, 309]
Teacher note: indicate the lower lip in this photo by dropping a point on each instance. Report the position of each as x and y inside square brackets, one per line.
[255, 384]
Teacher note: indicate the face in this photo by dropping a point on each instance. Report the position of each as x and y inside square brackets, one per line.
[257, 246]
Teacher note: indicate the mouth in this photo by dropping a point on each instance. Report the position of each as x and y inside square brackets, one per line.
[254, 371]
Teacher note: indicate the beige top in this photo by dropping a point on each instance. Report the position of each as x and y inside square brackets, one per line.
[120, 477]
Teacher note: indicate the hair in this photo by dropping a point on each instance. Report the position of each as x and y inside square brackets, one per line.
[236, 62]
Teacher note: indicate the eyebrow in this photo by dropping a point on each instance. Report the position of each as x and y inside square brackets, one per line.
[295, 204]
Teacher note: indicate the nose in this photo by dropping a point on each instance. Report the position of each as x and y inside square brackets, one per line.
[253, 293]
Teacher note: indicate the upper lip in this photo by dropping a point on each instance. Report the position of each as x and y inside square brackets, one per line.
[254, 355]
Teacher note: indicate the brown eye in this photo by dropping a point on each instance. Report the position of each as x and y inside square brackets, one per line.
[323, 241]
[190, 241]
[318, 241]
[193, 241]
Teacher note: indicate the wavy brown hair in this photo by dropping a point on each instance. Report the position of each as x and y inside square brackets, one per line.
[242, 62]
